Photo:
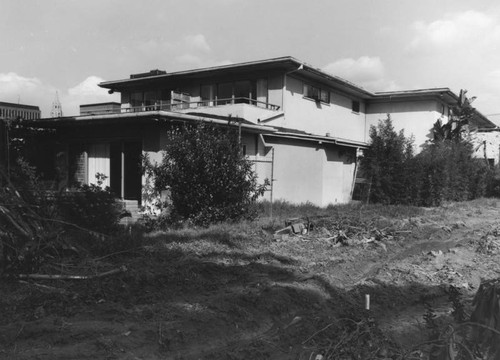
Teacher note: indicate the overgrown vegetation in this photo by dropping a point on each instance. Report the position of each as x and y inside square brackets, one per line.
[444, 170]
[387, 164]
[90, 206]
[207, 176]
[40, 224]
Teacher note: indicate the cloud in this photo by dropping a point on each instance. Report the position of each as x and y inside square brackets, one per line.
[197, 43]
[465, 29]
[86, 92]
[88, 88]
[32, 91]
[192, 50]
[12, 83]
[189, 60]
[487, 91]
[365, 71]
[16, 88]
[365, 67]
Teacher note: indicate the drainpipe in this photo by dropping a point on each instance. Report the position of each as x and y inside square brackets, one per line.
[272, 183]
[355, 174]
[7, 148]
[239, 132]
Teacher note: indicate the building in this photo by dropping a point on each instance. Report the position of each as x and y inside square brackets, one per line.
[100, 108]
[8, 113]
[302, 127]
[11, 111]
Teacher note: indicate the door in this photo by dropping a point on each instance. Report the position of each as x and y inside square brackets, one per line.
[132, 170]
[99, 164]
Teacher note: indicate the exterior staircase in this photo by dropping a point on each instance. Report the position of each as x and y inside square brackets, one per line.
[131, 208]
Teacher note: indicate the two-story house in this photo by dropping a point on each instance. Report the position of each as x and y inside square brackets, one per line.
[302, 127]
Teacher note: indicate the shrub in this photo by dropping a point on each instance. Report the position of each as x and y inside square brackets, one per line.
[386, 164]
[446, 171]
[90, 207]
[27, 232]
[208, 177]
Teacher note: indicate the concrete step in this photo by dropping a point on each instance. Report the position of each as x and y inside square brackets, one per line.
[132, 207]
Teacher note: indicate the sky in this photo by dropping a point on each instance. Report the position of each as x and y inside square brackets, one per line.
[67, 47]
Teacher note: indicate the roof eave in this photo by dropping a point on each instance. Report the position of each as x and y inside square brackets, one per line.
[148, 116]
[321, 139]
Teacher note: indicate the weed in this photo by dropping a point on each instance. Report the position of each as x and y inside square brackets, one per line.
[455, 298]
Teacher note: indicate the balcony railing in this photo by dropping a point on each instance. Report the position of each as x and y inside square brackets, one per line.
[185, 105]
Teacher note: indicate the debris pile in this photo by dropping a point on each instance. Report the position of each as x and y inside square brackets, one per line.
[336, 232]
[489, 243]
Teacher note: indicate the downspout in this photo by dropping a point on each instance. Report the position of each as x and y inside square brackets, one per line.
[272, 183]
[272, 174]
[355, 174]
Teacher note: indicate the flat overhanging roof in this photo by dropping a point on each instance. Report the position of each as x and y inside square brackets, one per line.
[285, 65]
[145, 117]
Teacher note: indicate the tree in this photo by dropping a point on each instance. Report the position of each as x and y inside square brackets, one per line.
[208, 177]
[460, 114]
[385, 164]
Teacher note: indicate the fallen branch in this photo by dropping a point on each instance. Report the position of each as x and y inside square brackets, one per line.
[72, 277]
[44, 287]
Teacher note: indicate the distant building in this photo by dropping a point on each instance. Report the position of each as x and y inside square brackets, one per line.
[100, 108]
[56, 110]
[9, 111]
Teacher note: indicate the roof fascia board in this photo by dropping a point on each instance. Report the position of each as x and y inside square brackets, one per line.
[321, 139]
[443, 94]
[155, 115]
[281, 61]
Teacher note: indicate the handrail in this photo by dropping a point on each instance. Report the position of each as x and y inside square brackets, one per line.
[181, 105]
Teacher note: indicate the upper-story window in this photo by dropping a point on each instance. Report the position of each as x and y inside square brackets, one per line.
[355, 106]
[316, 93]
[224, 93]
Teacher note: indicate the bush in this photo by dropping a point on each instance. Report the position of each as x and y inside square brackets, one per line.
[90, 207]
[208, 177]
[386, 164]
[444, 171]
[27, 232]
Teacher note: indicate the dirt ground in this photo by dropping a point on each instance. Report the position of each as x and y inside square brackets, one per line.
[261, 296]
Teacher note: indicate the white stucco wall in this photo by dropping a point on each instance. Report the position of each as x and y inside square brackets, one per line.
[310, 172]
[298, 172]
[486, 144]
[338, 175]
[335, 118]
[415, 117]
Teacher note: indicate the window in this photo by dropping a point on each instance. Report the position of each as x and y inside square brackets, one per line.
[262, 94]
[136, 99]
[316, 93]
[225, 93]
[244, 91]
[355, 106]
[207, 94]
[324, 96]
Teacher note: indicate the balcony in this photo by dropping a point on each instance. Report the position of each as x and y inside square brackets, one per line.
[241, 107]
